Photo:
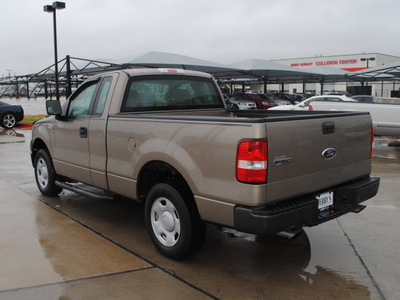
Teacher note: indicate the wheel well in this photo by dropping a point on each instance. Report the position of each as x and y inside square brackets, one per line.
[160, 172]
[37, 145]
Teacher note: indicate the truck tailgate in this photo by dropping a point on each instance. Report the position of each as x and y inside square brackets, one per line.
[308, 155]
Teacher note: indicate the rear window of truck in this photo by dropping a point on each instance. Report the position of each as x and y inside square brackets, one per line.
[170, 92]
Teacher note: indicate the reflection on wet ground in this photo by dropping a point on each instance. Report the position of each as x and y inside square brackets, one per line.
[8, 136]
[234, 265]
[90, 248]
[387, 148]
[11, 132]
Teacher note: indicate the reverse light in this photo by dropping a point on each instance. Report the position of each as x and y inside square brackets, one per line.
[252, 161]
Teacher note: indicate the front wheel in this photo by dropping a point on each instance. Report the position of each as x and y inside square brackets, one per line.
[173, 223]
[45, 175]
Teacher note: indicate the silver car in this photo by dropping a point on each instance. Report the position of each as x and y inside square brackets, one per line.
[235, 102]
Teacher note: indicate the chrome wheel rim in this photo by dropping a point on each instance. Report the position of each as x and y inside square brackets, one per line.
[9, 121]
[165, 222]
[42, 173]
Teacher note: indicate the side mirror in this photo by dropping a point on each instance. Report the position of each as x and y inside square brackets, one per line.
[53, 107]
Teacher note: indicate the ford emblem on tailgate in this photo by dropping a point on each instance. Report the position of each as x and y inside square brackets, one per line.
[329, 153]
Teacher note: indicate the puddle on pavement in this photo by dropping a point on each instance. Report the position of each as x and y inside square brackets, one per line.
[11, 136]
[10, 132]
[387, 148]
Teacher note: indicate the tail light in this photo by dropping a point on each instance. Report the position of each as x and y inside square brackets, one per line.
[310, 108]
[372, 142]
[252, 161]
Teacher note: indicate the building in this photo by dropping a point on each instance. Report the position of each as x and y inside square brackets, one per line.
[349, 63]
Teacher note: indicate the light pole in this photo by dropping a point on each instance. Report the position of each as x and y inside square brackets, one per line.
[52, 9]
[367, 59]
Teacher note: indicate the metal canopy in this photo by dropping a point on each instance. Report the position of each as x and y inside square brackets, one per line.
[271, 71]
[389, 72]
[154, 59]
[74, 70]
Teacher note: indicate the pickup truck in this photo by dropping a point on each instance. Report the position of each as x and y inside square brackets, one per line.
[164, 137]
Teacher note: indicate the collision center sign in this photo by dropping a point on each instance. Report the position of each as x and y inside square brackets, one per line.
[326, 63]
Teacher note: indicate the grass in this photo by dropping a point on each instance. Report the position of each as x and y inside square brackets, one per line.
[29, 120]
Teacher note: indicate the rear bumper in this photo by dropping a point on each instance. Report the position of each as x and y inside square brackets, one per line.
[303, 211]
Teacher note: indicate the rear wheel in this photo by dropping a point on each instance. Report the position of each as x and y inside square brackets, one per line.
[173, 222]
[8, 121]
[45, 175]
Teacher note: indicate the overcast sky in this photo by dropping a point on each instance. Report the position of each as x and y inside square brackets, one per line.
[223, 31]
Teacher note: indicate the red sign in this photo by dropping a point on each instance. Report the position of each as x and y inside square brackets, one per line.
[326, 63]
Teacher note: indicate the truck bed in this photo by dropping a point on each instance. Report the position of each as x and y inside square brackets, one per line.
[296, 141]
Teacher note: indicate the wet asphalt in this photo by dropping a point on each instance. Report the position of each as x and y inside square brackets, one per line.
[73, 247]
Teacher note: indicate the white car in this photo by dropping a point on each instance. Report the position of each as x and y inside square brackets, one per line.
[305, 104]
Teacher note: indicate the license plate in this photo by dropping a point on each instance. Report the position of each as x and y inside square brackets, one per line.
[325, 200]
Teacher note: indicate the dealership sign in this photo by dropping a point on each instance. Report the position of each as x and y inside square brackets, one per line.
[343, 64]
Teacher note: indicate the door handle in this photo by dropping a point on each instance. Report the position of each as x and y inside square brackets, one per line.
[328, 127]
[83, 132]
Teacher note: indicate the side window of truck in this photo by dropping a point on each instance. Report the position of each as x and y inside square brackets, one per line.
[80, 104]
[103, 93]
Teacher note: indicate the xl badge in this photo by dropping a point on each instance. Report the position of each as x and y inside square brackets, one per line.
[329, 153]
[282, 160]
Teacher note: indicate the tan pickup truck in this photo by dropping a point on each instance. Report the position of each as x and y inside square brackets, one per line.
[165, 137]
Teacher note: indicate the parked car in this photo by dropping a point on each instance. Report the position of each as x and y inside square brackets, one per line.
[10, 114]
[260, 101]
[340, 93]
[276, 100]
[236, 102]
[305, 104]
[385, 117]
[284, 96]
[297, 97]
[364, 98]
[305, 95]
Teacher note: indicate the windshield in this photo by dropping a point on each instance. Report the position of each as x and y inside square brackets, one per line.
[150, 93]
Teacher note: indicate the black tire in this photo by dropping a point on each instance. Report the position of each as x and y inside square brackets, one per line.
[173, 222]
[45, 175]
[8, 120]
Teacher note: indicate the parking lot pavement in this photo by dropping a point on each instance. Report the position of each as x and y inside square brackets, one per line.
[78, 247]
[47, 255]
[374, 232]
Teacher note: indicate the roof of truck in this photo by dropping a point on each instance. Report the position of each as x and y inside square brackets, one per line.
[164, 71]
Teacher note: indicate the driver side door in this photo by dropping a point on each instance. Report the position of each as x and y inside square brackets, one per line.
[71, 154]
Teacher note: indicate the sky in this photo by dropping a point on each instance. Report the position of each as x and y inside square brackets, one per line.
[222, 31]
